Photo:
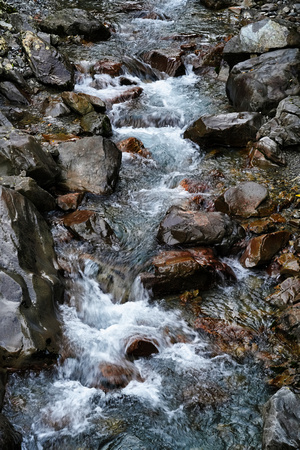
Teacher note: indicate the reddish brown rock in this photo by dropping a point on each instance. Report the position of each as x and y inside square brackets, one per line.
[134, 146]
[141, 347]
[178, 271]
[88, 225]
[113, 376]
[69, 201]
[286, 293]
[261, 249]
[126, 95]
[166, 60]
[111, 68]
[289, 264]
[265, 225]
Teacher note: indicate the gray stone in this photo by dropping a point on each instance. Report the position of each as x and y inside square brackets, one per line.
[281, 421]
[12, 93]
[271, 150]
[95, 123]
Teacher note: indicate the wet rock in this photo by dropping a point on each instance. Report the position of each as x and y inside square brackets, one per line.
[271, 150]
[261, 249]
[124, 96]
[141, 347]
[243, 200]
[96, 102]
[69, 201]
[10, 439]
[111, 68]
[12, 93]
[220, 4]
[260, 37]
[74, 21]
[48, 65]
[134, 146]
[3, 381]
[288, 323]
[77, 102]
[96, 123]
[286, 293]
[166, 60]
[181, 227]
[259, 84]
[178, 270]
[88, 225]
[203, 396]
[20, 152]
[113, 376]
[232, 129]
[55, 107]
[89, 164]
[281, 421]
[26, 186]
[29, 284]
[140, 69]
[265, 225]
[284, 128]
[289, 264]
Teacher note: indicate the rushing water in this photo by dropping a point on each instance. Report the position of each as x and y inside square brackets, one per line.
[187, 396]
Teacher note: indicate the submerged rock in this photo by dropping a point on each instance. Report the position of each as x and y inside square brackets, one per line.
[259, 84]
[88, 225]
[114, 376]
[111, 68]
[141, 347]
[232, 129]
[281, 421]
[166, 60]
[261, 249]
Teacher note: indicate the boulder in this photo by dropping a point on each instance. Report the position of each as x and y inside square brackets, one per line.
[231, 129]
[96, 102]
[260, 250]
[74, 21]
[20, 152]
[243, 200]
[114, 376]
[178, 270]
[111, 68]
[220, 4]
[10, 439]
[284, 128]
[289, 264]
[181, 227]
[96, 123]
[260, 37]
[89, 164]
[88, 225]
[12, 93]
[271, 150]
[166, 60]
[69, 201]
[259, 84]
[141, 347]
[78, 103]
[29, 284]
[281, 421]
[286, 293]
[48, 65]
[134, 146]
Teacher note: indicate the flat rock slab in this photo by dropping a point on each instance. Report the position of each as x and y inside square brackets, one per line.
[232, 129]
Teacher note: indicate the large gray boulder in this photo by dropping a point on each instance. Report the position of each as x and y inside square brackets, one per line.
[281, 421]
[260, 37]
[29, 283]
[89, 164]
[232, 129]
[74, 21]
[259, 84]
[181, 227]
[21, 153]
[284, 128]
[48, 65]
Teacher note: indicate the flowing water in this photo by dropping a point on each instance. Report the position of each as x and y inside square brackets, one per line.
[188, 395]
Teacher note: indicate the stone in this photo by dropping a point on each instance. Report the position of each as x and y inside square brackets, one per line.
[55, 107]
[134, 146]
[289, 264]
[286, 293]
[166, 60]
[90, 164]
[124, 96]
[69, 201]
[141, 347]
[216, 229]
[29, 284]
[88, 225]
[271, 150]
[3, 381]
[96, 124]
[220, 4]
[231, 129]
[96, 102]
[288, 324]
[20, 152]
[281, 421]
[75, 21]
[10, 439]
[242, 200]
[176, 271]
[77, 102]
[48, 65]
[12, 93]
[260, 250]
[259, 84]
[114, 376]
[111, 68]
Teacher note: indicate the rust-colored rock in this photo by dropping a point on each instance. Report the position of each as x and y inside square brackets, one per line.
[141, 347]
[286, 293]
[166, 60]
[265, 225]
[114, 376]
[289, 264]
[69, 201]
[134, 146]
[261, 249]
[111, 68]
[88, 225]
[130, 94]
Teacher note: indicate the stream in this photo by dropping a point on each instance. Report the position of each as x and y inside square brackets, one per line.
[188, 395]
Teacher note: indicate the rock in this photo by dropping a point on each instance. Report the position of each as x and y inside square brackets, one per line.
[109, 67]
[261, 249]
[286, 293]
[29, 284]
[124, 96]
[284, 128]
[231, 129]
[3, 46]
[166, 60]
[96, 123]
[113, 376]
[141, 347]
[26, 186]
[96, 102]
[47, 64]
[3, 381]
[203, 396]
[10, 439]
[265, 225]
[288, 323]
[281, 421]
[289, 264]
[74, 21]
[270, 149]
[134, 146]
[220, 4]
[178, 270]
[260, 83]
[260, 37]
[21, 152]
[243, 200]
[88, 225]
[55, 107]
[79, 103]
[69, 201]
[12, 93]
[89, 164]
[181, 227]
